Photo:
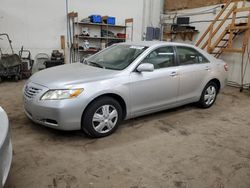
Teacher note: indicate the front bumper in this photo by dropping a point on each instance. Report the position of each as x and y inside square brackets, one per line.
[58, 114]
[5, 150]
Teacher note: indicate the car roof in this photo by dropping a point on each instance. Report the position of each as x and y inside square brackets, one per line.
[155, 43]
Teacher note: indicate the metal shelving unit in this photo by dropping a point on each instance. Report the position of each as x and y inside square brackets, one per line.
[78, 38]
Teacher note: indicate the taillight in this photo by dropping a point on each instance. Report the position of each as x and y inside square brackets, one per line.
[226, 67]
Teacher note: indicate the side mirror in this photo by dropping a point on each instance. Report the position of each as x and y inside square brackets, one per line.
[145, 67]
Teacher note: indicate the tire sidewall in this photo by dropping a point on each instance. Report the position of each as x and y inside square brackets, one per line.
[88, 114]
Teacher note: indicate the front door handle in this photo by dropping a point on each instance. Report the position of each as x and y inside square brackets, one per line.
[173, 74]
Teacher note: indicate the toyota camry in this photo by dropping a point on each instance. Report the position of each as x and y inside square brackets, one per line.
[123, 81]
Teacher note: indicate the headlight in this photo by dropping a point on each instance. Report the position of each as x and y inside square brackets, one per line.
[61, 94]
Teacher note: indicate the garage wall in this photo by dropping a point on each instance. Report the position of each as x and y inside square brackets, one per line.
[201, 18]
[37, 25]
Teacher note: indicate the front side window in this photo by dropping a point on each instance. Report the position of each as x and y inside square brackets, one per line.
[189, 56]
[116, 57]
[161, 58]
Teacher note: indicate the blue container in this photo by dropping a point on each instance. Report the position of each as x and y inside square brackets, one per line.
[111, 20]
[108, 20]
[95, 18]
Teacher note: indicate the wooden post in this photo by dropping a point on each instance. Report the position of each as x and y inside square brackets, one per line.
[63, 46]
[209, 50]
[130, 20]
[232, 26]
[246, 34]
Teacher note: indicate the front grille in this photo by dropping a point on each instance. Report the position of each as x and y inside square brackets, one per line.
[31, 91]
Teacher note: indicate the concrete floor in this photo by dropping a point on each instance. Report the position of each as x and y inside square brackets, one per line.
[185, 147]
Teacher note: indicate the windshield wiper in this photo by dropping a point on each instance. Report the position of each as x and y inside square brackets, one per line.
[95, 64]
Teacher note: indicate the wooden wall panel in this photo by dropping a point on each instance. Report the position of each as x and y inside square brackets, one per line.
[171, 5]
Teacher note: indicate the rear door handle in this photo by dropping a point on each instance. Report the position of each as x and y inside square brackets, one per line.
[173, 74]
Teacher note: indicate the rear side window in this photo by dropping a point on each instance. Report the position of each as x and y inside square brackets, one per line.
[161, 58]
[188, 56]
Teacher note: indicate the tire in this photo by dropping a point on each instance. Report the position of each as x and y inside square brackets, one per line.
[208, 96]
[108, 115]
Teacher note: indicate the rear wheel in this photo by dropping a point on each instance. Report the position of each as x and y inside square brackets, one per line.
[102, 117]
[208, 95]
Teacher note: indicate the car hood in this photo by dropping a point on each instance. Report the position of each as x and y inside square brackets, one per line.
[70, 74]
[4, 126]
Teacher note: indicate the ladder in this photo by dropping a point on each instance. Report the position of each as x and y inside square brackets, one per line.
[216, 43]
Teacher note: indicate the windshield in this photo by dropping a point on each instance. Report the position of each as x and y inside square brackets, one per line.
[116, 57]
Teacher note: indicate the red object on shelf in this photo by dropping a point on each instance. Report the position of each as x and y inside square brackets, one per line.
[93, 49]
[121, 35]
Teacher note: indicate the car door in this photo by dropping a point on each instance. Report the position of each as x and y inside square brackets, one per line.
[194, 70]
[152, 91]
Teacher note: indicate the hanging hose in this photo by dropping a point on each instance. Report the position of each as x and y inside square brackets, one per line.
[243, 69]
[247, 62]
[242, 72]
[248, 58]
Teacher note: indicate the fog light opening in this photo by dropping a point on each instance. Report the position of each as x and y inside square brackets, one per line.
[51, 121]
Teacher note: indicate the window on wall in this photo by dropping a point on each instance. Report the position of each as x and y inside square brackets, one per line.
[161, 58]
[189, 56]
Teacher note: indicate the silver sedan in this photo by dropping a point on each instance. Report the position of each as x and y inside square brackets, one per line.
[123, 81]
[5, 147]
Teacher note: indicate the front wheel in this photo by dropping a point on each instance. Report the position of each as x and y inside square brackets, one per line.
[208, 95]
[102, 117]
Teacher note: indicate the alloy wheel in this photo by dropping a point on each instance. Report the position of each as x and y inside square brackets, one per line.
[105, 118]
[210, 95]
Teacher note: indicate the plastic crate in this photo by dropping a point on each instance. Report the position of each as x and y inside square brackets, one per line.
[109, 20]
[95, 18]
